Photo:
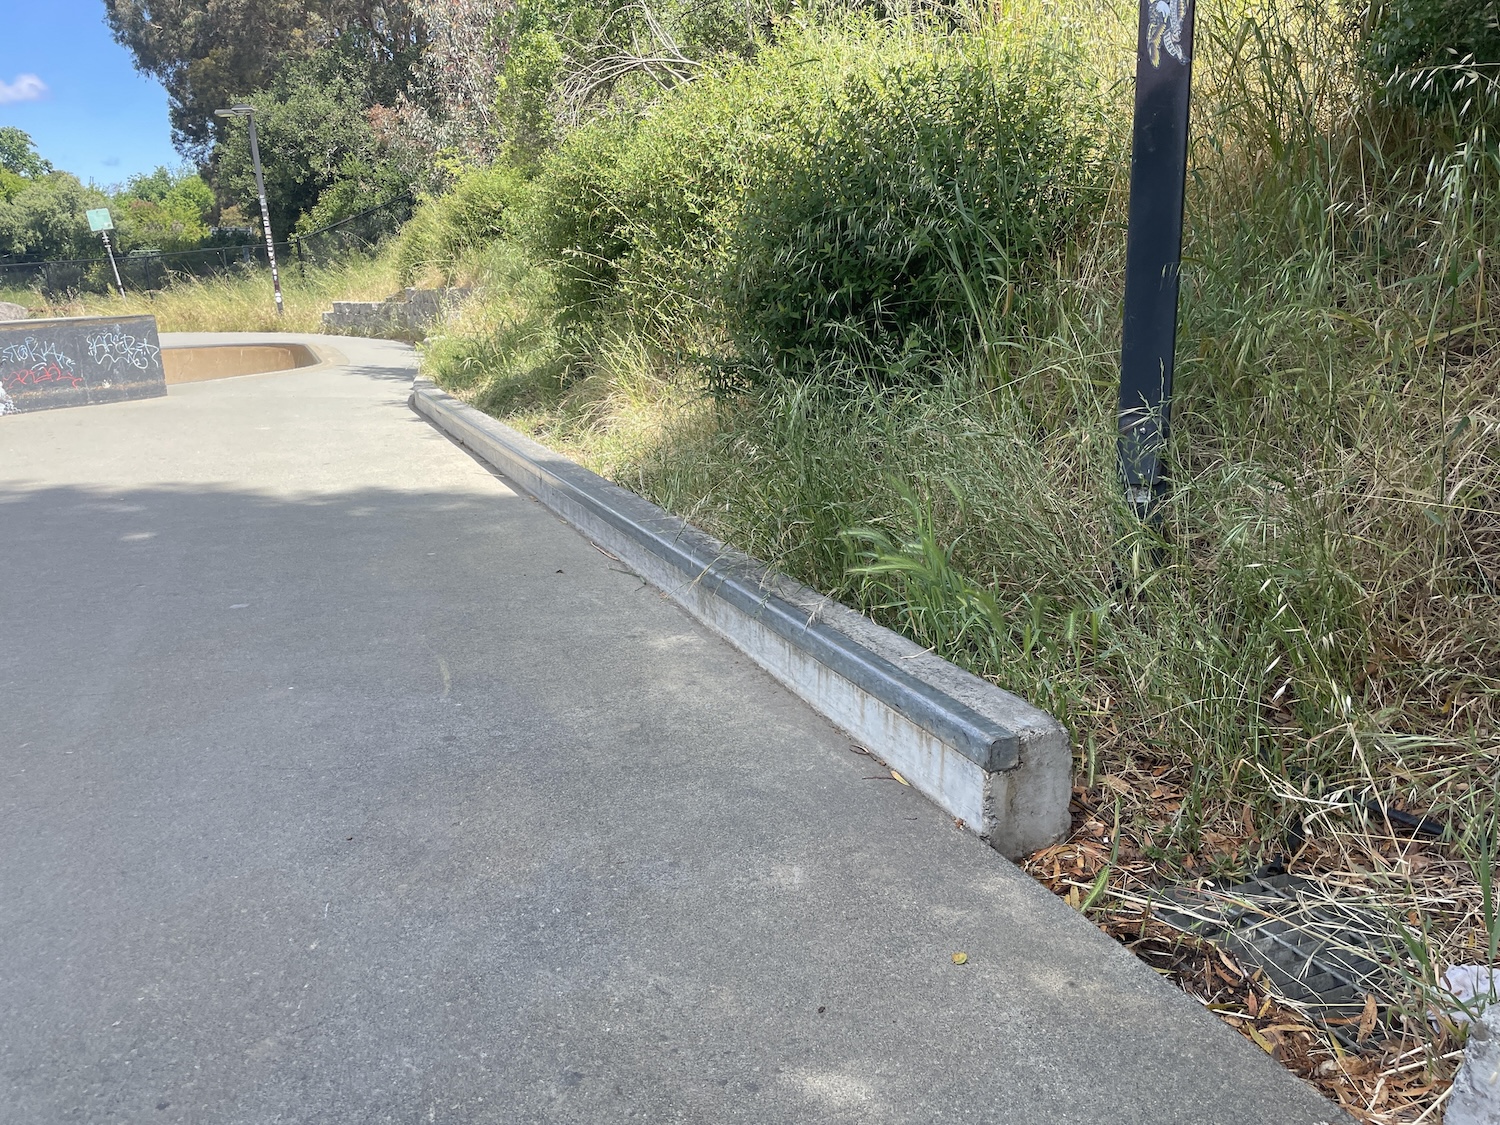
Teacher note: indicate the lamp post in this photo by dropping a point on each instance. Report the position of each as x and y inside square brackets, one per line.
[248, 112]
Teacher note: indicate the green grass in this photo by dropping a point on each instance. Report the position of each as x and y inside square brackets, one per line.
[1323, 630]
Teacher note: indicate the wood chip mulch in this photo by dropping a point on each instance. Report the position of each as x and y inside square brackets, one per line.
[1402, 1079]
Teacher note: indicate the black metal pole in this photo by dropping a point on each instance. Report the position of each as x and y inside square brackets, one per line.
[1153, 245]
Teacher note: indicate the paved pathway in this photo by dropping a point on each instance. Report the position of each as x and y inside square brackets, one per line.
[342, 784]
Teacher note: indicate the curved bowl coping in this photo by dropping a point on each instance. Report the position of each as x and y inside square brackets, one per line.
[1000, 765]
[225, 361]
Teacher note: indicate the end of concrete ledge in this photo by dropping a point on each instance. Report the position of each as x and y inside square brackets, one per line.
[1027, 806]
[989, 758]
[52, 362]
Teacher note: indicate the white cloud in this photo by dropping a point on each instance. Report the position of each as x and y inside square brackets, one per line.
[26, 88]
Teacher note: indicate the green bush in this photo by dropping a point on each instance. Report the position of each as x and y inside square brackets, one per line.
[856, 193]
[913, 208]
[633, 208]
[1438, 56]
[483, 207]
[576, 224]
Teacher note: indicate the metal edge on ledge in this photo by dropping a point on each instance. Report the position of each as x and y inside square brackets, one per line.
[924, 726]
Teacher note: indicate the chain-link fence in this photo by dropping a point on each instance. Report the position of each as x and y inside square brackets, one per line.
[139, 270]
[360, 232]
[144, 270]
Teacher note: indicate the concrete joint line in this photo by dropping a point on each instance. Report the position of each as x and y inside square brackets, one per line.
[989, 758]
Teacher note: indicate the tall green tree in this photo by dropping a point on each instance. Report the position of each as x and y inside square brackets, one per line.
[313, 123]
[209, 54]
[163, 210]
[18, 154]
[44, 220]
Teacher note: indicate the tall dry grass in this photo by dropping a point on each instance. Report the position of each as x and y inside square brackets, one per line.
[238, 302]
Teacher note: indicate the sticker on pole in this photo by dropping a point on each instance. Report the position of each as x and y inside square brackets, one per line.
[1164, 29]
[99, 220]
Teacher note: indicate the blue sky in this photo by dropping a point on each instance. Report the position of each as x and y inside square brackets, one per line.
[64, 80]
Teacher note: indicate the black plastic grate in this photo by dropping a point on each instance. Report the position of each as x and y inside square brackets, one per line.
[1324, 955]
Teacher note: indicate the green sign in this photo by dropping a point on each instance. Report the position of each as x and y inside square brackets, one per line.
[99, 220]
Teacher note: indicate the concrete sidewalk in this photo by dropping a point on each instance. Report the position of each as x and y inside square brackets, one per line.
[345, 785]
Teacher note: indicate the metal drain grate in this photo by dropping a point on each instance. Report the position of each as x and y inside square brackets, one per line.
[1324, 955]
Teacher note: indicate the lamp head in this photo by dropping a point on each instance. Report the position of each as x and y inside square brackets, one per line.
[235, 111]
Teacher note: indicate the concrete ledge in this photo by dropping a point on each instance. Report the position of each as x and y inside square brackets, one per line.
[989, 758]
[55, 362]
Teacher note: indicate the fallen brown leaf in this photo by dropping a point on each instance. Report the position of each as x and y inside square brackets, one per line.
[1118, 784]
[1367, 1018]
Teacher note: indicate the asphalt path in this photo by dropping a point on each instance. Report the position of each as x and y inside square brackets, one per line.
[344, 784]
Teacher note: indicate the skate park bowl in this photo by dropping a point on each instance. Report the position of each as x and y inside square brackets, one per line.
[225, 361]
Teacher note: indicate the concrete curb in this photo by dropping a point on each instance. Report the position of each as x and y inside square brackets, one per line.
[987, 757]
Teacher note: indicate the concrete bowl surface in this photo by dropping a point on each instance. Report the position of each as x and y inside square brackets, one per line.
[225, 361]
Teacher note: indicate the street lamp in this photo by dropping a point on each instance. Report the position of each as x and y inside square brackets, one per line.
[260, 186]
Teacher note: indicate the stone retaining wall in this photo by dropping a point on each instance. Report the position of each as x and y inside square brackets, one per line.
[405, 316]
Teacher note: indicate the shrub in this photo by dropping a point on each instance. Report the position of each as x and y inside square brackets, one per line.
[918, 202]
[633, 208]
[483, 206]
[1437, 56]
[575, 223]
[849, 193]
